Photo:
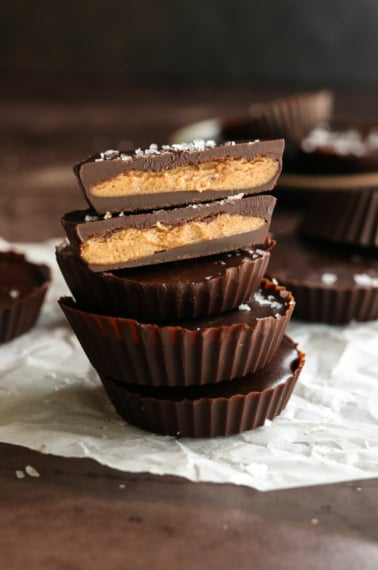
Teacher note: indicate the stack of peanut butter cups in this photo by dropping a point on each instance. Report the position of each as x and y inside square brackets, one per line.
[170, 305]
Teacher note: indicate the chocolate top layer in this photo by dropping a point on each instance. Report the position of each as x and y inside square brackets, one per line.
[19, 277]
[110, 164]
[287, 360]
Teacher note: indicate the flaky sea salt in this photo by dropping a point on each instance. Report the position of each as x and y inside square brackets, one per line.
[153, 149]
[197, 145]
[107, 155]
[343, 142]
[89, 218]
[244, 307]
[31, 471]
[267, 300]
[14, 293]
[232, 198]
[365, 280]
[328, 278]
[227, 200]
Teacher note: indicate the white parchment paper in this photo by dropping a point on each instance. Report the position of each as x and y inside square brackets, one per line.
[51, 400]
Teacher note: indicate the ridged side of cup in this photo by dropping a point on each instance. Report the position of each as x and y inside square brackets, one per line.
[203, 417]
[327, 304]
[290, 117]
[110, 294]
[149, 354]
[20, 315]
[344, 217]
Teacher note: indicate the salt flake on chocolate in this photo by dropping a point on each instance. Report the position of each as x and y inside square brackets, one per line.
[365, 280]
[328, 278]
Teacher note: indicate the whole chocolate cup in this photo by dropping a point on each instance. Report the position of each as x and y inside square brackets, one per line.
[201, 351]
[169, 292]
[331, 284]
[344, 217]
[209, 411]
[30, 282]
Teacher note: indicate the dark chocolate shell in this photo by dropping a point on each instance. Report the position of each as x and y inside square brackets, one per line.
[116, 165]
[344, 217]
[214, 410]
[23, 286]
[331, 284]
[195, 352]
[168, 292]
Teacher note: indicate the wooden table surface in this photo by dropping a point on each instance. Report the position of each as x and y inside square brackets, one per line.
[78, 514]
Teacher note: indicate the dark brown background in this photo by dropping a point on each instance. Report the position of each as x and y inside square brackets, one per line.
[71, 45]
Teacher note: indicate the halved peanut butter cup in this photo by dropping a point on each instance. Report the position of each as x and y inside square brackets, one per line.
[160, 177]
[162, 236]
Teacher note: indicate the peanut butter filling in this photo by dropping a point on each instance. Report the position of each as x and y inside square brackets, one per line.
[131, 243]
[227, 174]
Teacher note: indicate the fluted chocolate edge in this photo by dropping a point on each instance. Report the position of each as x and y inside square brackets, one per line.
[21, 315]
[109, 294]
[204, 417]
[149, 354]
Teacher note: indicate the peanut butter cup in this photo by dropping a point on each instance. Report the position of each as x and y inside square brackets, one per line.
[214, 410]
[167, 292]
[331, 284]
[162, 236]
[199, 351]
[166, 176]
[23, 287]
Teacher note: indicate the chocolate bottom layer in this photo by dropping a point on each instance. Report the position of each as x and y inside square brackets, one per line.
[217, 410]
[168, 292]
[332, 285]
